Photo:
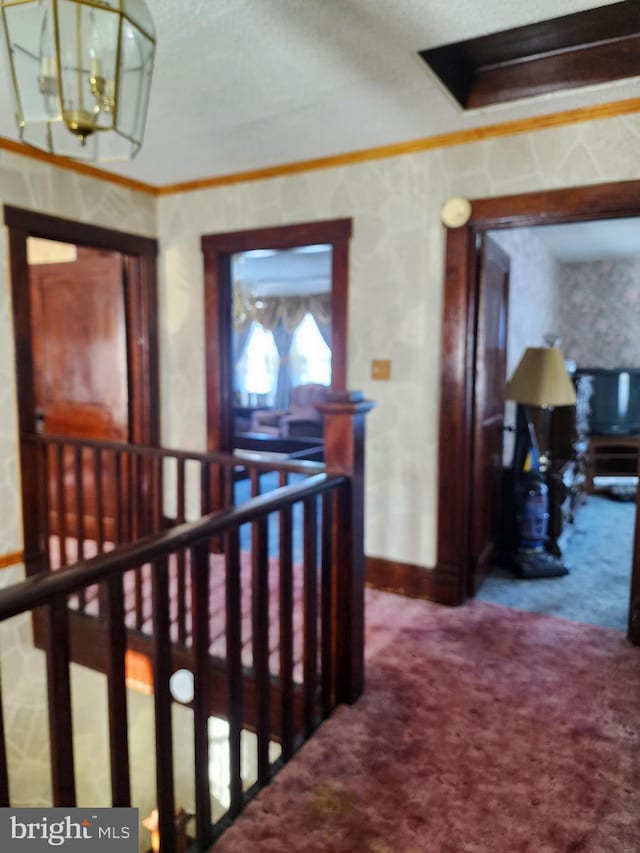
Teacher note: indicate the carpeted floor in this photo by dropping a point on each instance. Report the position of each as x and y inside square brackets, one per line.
[482, 729]
[598, 556]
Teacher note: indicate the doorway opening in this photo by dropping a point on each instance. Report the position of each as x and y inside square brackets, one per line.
[85, 324]
[457, 488]
[577, 285]
[276, 333]
[281, 347]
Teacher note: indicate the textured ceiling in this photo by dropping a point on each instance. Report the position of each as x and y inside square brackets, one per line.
[579, 242]
[245, 84]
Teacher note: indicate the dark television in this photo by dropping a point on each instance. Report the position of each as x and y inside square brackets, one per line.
[615, 403]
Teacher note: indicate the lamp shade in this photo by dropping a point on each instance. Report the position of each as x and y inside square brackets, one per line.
[541, 379]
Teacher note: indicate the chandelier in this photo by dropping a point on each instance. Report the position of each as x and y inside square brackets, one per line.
[81, 73]
[245, 305]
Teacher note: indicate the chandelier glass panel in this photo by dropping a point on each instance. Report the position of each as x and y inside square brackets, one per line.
[81, 74]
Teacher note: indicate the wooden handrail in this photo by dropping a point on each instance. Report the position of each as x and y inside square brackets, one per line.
[41, 589]
[180, 594]
[226, 459]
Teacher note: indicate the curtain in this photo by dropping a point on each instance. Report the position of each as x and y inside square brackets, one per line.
[290, 311]
[320, 310]
[283, 338]
[239, 340]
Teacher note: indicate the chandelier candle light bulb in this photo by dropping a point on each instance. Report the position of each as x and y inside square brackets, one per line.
[81, 73]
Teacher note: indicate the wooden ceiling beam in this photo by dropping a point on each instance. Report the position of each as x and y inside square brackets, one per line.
[595, 46]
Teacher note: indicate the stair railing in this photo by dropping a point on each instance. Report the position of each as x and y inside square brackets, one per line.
[331, 665]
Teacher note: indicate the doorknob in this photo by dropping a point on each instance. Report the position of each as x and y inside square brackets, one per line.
[40, 419]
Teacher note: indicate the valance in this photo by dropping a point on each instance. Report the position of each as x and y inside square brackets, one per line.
[269, 311]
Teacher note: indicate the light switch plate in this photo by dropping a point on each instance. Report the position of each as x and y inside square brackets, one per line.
[381, 369]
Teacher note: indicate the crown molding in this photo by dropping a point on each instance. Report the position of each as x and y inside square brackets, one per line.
[532, 124]
[13, 559]
[74, 166]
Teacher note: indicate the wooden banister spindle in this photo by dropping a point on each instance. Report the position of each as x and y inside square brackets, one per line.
[228, 482]
[234, 664]
[201, 700]
[116, 648]
[287, 733]
[344, 438]
[79, 495]
[161, 655]
[181, 604]
[99, 492]
[123, 496]
[139, 529]
[260, 641]
[142, 510]
[254, 477]
[205, 488]
[118, 520]
[310, 657]
[327, 637]
[132, 498]
[61, 511]
[56, 635]
[40, 527]
[156, 493]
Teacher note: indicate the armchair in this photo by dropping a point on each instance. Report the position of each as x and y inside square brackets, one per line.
[301, 418]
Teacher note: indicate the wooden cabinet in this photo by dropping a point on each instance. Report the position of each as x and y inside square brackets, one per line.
[611, 456]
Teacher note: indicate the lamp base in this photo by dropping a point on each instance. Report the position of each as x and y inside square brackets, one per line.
[538, 563]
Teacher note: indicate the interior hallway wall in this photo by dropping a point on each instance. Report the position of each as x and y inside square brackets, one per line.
[600, 312]
[395, 300]
[533, 303]
[30, 184]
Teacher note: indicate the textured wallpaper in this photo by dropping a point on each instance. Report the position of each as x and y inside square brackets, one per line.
[600, 312]
[533, 303]
[37, 186]
[395, 303]
[395, 290]
[395, 300]
[533, 291]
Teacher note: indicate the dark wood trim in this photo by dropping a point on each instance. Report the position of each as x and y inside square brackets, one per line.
[139, 260]
[584, 48]
[218, 250]
[79, 233]
[279, 236]
[344, 433]
[602, 201]
[431, 584]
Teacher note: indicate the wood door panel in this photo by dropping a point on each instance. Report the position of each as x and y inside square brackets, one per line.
[79, 344]
[490, 378]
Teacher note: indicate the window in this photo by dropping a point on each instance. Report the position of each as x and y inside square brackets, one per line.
[257, 369]
[310, 357]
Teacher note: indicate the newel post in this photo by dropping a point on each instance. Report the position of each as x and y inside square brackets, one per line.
[344, 434]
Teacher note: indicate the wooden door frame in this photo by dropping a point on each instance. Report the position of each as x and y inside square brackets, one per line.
[139, 254]
[491, 254]
[576, 204]
[218, 250]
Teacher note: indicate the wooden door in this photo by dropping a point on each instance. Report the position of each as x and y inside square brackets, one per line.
[489, 399]
[79, 345]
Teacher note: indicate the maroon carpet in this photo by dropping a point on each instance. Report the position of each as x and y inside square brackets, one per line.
[481, 729]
